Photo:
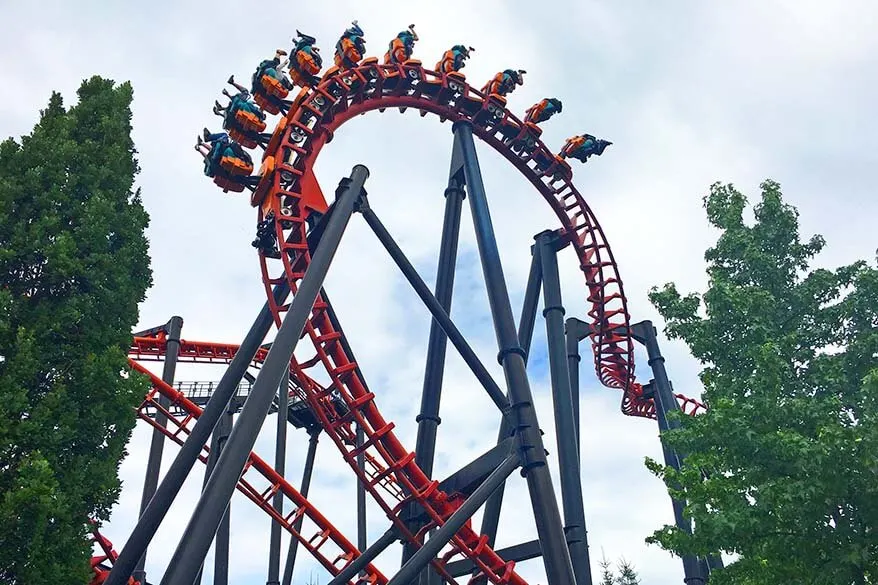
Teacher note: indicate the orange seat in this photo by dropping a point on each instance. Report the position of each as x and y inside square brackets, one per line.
[536, 130]
[249, 121]
[274, 87]
[266, 104]
[227, 184]
[236, 166]
[242, 139]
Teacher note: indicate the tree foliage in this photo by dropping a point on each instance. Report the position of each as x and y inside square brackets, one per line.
[74, 266]
[627, 575]
[789, 445]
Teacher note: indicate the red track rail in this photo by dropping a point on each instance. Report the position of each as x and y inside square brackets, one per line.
[260, 482]
[207, 352]
[296, 143]
[318, 113]
[155, 348]
[102, 564]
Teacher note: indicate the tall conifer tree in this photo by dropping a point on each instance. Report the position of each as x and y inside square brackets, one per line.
[74, 267]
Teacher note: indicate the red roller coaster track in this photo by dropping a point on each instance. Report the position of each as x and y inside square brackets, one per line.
[289, 190]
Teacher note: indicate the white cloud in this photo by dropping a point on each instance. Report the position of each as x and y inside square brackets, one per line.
[688, 95]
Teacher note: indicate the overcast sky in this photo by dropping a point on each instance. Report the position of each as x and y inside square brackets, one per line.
[689, 92]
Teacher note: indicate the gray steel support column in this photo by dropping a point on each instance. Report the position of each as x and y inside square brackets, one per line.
[645, 333]
[562, 399]
[491, 517]
[576, 331]
[176, 475]
[369, 555]
[529, 306]
[361, 492]
[280, 456]
[556, 557]
[314, 435]
[223, 534]
[156, 447]
[440, 538]
[439, 314]
[664, 399]
[220, 436]
[206, 517]
[428, 419]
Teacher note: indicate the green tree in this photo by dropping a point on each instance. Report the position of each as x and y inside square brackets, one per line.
[607, 576]
[627, 574]
[74, 266]
[790, 372]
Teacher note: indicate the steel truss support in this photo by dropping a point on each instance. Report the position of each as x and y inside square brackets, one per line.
[170, 486]
[361, 491]
[314, 434]
[280, 456]
[491, 517]
[206, 517]
[518, 553]
[547, 244]
[221, 554]
[154, 463]
[428, 419]
[369, 555]
[439, 314]
[224, 533]
[556, 557]
[575, 330]
[443, 535]
[665, 401]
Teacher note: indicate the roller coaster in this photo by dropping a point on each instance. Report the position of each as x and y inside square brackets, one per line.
[298, 232]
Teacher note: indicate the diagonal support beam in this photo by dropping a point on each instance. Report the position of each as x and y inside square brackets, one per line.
[167, 491]
[455, 522]
[517, 552]
[193, 546]
[556, 557]
[491, 517]
[448, 326]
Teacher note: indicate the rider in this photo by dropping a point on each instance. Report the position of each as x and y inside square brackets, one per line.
[215, 146]
[543, 110]
[239, 101]
[453, 59]
[401, 48]
[504, 82]
[266, 237]
[350, 48]
[582, 147]
[307, 63]
[274, 69]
